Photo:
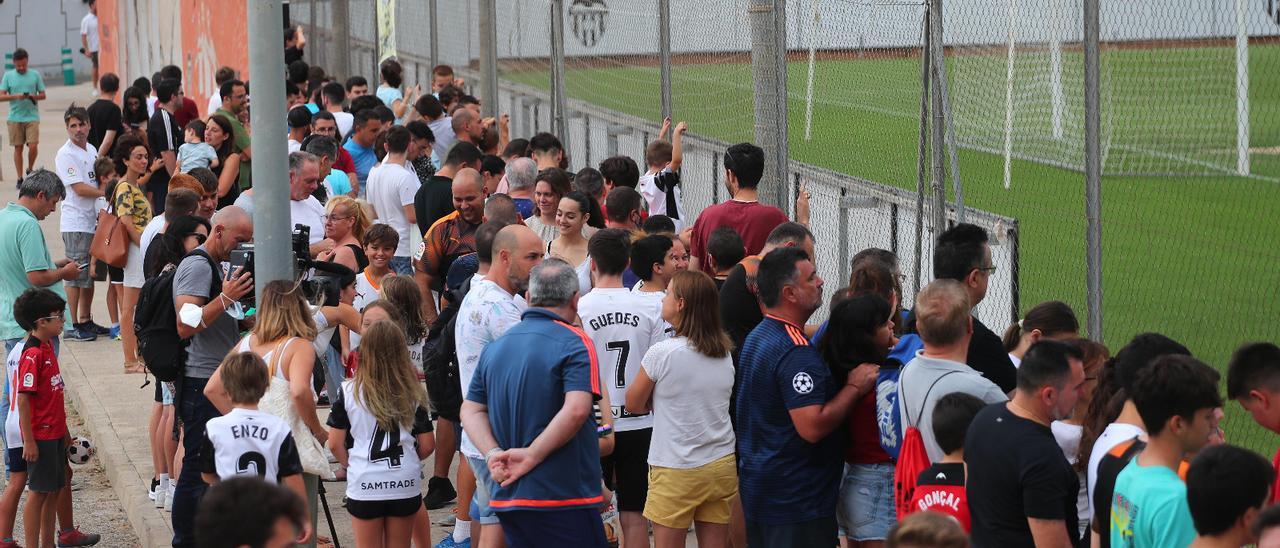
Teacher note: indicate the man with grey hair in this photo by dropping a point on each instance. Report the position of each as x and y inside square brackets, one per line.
[945, 327]
[325, 150]
[522, 173]
[500, 207]
[24, 257]
[528, 414]
[304, 209]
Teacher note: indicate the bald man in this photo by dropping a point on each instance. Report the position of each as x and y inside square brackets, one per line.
[453, 236]
[201, 298]
[501, 207]
[492, 306]
[468, 126]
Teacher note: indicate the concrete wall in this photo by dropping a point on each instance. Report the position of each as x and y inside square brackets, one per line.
[44, 27]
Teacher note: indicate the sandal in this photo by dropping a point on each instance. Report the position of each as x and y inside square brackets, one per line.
[323, 542]
[134, 367]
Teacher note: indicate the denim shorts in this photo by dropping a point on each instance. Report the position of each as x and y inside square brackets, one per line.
[865, 510]
[480, 509]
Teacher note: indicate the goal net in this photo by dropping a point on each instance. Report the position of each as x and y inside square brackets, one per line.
[1173, 82]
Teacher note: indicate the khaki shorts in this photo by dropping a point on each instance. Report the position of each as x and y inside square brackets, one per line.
[679, 497]
[24, 133]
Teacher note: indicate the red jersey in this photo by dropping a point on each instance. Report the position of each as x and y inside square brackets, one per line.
[1275, 489]
[940, 488]
[38, 375]
[752, 220]
[344, 163]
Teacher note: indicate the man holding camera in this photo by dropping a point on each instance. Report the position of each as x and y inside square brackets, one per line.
[207, 304]
[23, 88]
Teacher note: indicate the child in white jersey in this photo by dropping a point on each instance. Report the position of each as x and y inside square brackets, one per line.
[246, 441]
[380, 431]
[660, 184]
[17, 467]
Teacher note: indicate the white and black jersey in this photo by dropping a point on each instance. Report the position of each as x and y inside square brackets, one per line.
[248, 442]
[12, 424]
[622, 324]
[381, 465]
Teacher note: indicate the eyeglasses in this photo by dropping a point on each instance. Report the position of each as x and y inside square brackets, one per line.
[200, 238]
[988, 269]
[51, 317]
[335, 218]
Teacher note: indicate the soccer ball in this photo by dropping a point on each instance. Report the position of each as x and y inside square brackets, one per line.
[79, 451]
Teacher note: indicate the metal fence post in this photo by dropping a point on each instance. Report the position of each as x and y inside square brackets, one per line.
[435, 36]
[1092, 170]
[943, 100]
[936, 125]
[922, 161]
[489, 57]
[339, 25]
[559, 118]
[664, 52]
[768, 71]
[271, 199]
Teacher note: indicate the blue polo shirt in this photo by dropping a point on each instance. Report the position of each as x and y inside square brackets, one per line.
[364, 158]
[783, 479]
[522, 378]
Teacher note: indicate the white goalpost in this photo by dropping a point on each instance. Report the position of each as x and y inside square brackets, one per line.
[1242, 90]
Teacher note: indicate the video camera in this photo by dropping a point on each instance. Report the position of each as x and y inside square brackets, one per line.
[315, 278]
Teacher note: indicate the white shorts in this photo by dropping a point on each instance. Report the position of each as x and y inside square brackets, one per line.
[133, 268]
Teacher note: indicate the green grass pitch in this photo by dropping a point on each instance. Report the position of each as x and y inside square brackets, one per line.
[1197, 258]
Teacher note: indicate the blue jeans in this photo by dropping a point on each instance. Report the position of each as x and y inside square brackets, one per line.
[195, 410]
[485, 487]
[865, 510]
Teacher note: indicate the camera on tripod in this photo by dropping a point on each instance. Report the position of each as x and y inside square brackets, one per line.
[313, 277]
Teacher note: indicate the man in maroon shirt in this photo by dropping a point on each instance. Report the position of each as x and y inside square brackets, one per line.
[743, 168]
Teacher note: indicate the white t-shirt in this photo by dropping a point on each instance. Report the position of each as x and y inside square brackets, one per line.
[12, 423]
[1068, 436]
[151, 105]
[389, 188]
[153, 227]
[308, 212]
[344, 121]
[250, 443]
[653, 187]
[293, 146]
[623, 325]
[487, 312]
[1115, 434]
[89, 29]
[75, 165]
[215, 102]
[1017, 362]
[690, 405]
[366, 292]
[442, 129]
[381, 465]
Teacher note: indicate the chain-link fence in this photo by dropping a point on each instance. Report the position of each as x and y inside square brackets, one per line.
[847, 99]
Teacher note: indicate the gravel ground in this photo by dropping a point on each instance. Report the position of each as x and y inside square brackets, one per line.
[95, 505]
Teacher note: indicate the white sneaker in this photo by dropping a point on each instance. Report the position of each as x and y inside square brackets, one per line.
[162, 492]
[168, 500]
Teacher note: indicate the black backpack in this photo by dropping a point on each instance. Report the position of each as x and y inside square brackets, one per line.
[440, 359]
[156, 323]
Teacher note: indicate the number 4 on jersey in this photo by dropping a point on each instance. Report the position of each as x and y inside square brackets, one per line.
[386, 447]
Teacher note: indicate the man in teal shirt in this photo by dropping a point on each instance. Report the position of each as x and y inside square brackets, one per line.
[24, 89]
[1176, 397]
[24, 257]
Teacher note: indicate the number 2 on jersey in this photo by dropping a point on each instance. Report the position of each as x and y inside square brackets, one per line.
[252, 462]
[386, 447]
[623, 348]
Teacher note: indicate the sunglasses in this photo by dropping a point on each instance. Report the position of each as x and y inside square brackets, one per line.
[200, 238]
